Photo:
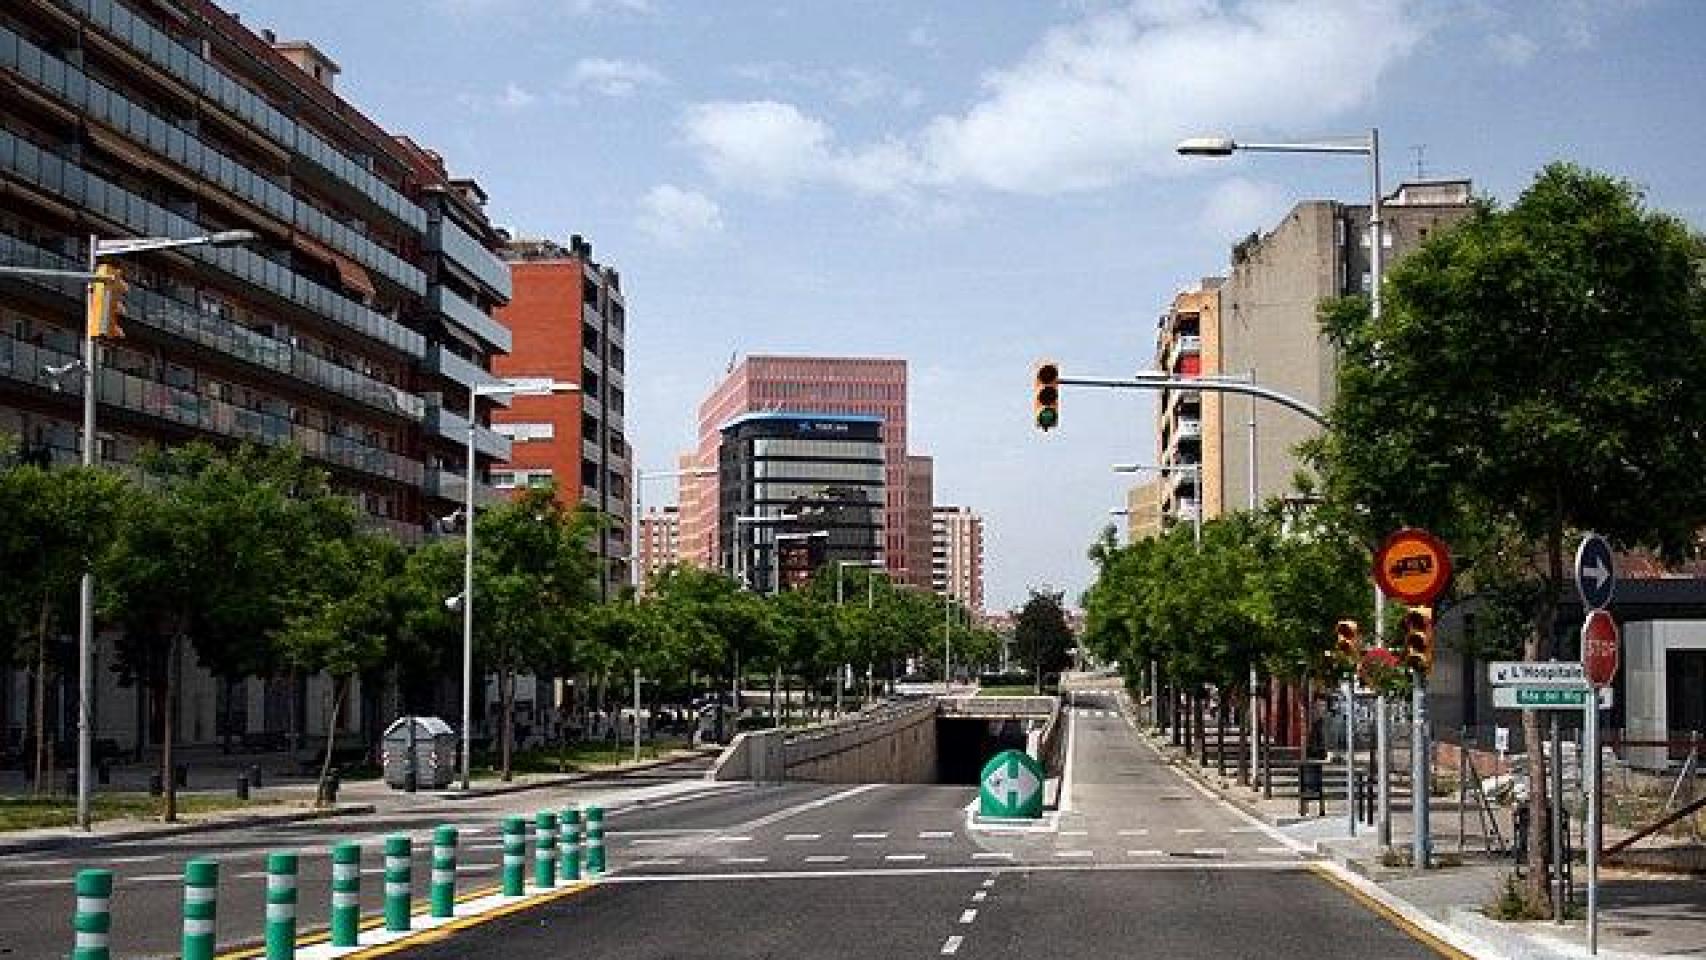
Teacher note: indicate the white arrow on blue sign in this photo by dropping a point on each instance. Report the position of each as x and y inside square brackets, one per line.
[1596, 576]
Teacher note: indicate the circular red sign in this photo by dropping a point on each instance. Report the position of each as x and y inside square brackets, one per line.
[1412, 566]
[1599, 647]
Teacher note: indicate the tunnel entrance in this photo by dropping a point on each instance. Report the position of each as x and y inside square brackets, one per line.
[965, 744]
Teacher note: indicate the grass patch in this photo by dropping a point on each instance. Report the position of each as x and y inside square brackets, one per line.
[29, 813]
[1008, 690]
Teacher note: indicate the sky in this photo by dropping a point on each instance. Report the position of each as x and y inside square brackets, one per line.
[975, 185]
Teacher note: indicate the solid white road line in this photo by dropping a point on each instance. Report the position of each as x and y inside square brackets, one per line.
[807, 807]
[729, 840]
[1064, 802]
[828, 858]
[651, 841]
[906, 858]
[968, 916]
[951, 946]
[41, 882]
[1271, 850]
[460, 868]
[150, 858]
[153, 878]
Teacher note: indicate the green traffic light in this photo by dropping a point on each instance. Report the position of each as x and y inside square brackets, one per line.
[1047, 418]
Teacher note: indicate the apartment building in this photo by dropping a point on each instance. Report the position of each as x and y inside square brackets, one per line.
[920, 510]
[1188, 422]
[660, 540]
[569, 320]
[354, 326]
[956, 553]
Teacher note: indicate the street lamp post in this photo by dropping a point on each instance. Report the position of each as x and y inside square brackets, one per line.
[1194, 469]
[103, 250]
[870, 595]
[528, 387]
[1369, 147]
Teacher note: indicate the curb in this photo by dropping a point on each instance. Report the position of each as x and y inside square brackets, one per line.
[565, 779]
[76, 840]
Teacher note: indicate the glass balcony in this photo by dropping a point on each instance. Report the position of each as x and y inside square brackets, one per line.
[591, 452]
[26, 362]
[188, 66]
[447, 364]
[221, 334]
[53, 173]
[447, 484]
[462, 249]
[469, 317]
[454, 426]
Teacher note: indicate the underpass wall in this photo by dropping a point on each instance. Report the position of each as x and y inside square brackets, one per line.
[893, 743]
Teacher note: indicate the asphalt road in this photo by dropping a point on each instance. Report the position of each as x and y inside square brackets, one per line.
[1140, 865]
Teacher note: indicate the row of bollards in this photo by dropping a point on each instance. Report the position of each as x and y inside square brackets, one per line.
[557, 857]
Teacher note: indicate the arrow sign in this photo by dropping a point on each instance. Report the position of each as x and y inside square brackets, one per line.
[1011, 786]
[1596, 572]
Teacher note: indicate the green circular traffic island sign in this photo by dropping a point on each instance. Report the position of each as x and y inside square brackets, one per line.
[1011, 785]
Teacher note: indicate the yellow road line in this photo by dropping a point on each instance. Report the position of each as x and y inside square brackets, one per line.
[419, 907]
[463, 923]
[1390, 915]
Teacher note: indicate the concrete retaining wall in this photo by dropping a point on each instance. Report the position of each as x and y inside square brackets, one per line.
[893, 743]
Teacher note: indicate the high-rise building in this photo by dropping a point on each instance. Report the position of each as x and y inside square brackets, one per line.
[799, 492]
[920, 504]
[660, 540]
[569, 319]
[866, 386]
[957, 554]
[353, 326]
[1269, 323]
[1187, 344]
[1143, 511]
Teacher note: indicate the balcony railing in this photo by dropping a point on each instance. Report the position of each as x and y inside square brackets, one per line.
[469, 317]
[27, 363]
[454, 426]
[445, 236]
[447, 484]
[445, 363]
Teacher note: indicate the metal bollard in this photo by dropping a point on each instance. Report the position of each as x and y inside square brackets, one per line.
[181, 773]
[571, 823]
[545, 850]
[281, 906]
[242, 786]
[92, 921]
[594, 841]
[515, 857]
[155, 788]
[399, 882]
[346, 893]
[201, 890]
[255, 776]
[444, 872]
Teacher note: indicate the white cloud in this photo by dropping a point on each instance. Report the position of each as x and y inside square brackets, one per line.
[678, 217]
[1237, 206]
[1516, 49]
[853, 86]
[1093, 103]
[513, 98]
[922, 37]
[615, 78]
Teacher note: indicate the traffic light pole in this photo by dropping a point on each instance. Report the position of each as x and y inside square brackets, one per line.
[86, 588]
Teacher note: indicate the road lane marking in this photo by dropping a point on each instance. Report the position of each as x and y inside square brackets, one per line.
[993, 855]
[828, 858]
[936, 835]
[42, 882]
[652, 841]
[951, 946]
[980, 896]
[1144, 832]
[1164, 866]
[149, 858]
[870, 836]
[989, 882]
[1245, 830]
[152, 878]
[463, 868]
[746, 859]
[1279, 850]
[737, 839]
[1143, 853]
[906, 857]
[1075, 854]
[803, 836]
[1189, 830]
[1210, 851]
[659, 862]
[1075, 833]
[1064, 801]
[808, 806]
[969, 915]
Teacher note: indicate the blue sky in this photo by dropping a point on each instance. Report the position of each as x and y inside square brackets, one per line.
[976, 184]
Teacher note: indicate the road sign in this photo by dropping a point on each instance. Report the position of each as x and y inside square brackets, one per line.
[1412, 566]
[1551, 673]
[1011, 786]
[1599, 647]
[1548, 698]
[1596, 575]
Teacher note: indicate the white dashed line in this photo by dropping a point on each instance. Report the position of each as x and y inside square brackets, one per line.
[646, 841]
[1210, 851]
[906, 858]
[1189, 830]
[1075, 854]
[1142, 832]
[1281, 850]
[980, 896]
[803, 836]
[828, 858]
[153, 878]
[460, 868]
[951, 946]
[150, 858]
[1245, 830]
[992, 855]
[731, 840]
[661, 862]
[936, 835]
[1143, 853]
[1075, 833]
[746, 859]
[968, 916]
[990, 882]
[41, 882]
[870, 836]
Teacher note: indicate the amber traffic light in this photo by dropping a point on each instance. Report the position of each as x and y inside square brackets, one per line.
[1047, 395]
[106, 301]
[1347, 642]
[1418, 629]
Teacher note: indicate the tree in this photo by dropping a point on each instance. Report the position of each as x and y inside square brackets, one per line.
[1042, 635]
[1534, 372]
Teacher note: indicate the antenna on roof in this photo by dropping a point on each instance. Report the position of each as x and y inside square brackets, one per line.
[1421, 152]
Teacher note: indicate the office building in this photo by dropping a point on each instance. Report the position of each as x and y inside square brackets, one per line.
[920, 507]
[799, 492]
[353, 326]
[1188, 426]
[833, 386]
[957, 556]
[569, 320]
[1269, 321]
[660, 541]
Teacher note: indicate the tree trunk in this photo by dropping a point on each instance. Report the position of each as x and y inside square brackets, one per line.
[230, 696]
[506, 698]
[168, 778]
[340, 689]
[1221, 716]
[1534, 648]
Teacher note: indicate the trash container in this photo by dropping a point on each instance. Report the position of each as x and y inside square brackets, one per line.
[420, 751]
[1310, 786]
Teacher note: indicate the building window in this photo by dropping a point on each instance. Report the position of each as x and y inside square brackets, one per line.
[526, 432]
[538, 479]
[503, 479]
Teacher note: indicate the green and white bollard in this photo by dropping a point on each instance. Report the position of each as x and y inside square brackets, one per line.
[571, 823]
[201, 890]
[281, 906]
[515, 857]
[92, 921]
[545, 850]
[346, 894]
[444, 872]
[399, 882]
[594, 841]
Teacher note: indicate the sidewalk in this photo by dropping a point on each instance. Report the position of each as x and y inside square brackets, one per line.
[293, 804]
[1640, 915]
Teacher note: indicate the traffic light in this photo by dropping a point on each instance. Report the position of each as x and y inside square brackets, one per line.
[106, 301]
[1047, 395]
[1347, 642]
[1418, 627]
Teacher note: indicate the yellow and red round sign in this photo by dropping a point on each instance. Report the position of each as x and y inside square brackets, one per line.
[1412, 566]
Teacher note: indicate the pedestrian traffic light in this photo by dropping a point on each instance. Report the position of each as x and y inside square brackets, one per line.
[1347, 642]
[106, 301]
[1047, 395]
[1418, 627]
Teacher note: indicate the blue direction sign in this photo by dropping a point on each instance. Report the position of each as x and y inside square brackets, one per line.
[1596, 577]
[1011, 786]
